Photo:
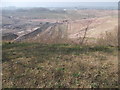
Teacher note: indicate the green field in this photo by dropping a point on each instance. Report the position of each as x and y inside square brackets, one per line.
[35, 65]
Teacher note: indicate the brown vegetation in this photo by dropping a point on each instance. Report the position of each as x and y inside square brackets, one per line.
[35, 65]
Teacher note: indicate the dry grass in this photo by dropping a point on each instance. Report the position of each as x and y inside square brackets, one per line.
[28, 65]
[109, 39]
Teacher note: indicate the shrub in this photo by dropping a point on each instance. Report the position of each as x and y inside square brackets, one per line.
[109, 39]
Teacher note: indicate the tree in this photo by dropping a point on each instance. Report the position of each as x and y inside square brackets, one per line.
[85, 33]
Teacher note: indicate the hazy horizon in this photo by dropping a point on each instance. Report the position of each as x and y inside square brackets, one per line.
[61, 4]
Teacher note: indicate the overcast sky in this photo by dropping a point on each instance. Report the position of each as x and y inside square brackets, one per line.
[60, 0]
[45, 3]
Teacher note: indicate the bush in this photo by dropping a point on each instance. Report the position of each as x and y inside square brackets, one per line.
[109, 39]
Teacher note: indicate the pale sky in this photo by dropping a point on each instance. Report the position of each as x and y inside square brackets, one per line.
[59, 0]
[46, 3]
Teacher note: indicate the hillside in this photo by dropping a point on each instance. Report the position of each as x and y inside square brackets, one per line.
[60, 48]
[69, 23]
[35, 65]
[71, 30]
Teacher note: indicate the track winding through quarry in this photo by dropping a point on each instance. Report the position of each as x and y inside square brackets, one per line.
[44, 27]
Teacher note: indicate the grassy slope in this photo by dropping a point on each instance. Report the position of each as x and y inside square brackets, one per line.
[59, 65]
